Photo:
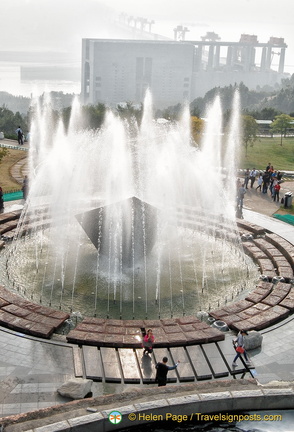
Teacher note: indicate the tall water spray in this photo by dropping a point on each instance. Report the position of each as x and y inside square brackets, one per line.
[95, 195]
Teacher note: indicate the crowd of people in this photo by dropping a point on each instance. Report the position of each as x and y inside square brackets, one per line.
[266, 182]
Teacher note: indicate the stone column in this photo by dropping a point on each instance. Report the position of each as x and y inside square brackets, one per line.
[229, 57]
[268, 58]
[210, 57]
[198, 58]
[282, 60]
[217, 57]
[263, 59]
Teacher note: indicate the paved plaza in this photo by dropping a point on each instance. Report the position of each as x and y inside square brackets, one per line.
[33, 369]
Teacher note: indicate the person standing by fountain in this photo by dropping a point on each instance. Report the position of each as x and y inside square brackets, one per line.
[161, 371]
[252, 176]
[241, 194]
[148, 342]
[1, 201]
[19, 133]
[25, 187]
[259, 181]
[246, 180]
[239, 345]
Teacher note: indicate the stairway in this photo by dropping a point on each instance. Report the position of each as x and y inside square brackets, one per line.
[129, 366]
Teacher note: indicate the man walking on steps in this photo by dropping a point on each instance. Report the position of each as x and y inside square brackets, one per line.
[162, 370]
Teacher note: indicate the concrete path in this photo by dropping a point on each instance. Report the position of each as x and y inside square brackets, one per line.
[30, 372]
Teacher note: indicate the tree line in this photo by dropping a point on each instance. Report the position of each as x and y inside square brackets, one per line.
[255, 105]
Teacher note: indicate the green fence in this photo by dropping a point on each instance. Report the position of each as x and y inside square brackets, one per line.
[13, 196]
[285, 218]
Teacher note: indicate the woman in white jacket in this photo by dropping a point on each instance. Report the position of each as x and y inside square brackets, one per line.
[239, 345]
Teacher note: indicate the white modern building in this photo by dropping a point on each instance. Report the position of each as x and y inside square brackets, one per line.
[118, 70]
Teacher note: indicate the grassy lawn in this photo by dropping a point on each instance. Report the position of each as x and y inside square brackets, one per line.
[6, 181]
[267, 150]
[263, 151]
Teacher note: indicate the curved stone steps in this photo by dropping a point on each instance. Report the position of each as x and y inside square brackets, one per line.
[286, 248]
[268, 304]
[248, 227]
[129, 365]
[129, 333]
[19, 314]
[277, 254]
[264, 262]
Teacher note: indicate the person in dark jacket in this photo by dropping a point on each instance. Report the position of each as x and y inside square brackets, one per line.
[161, 371]
[19, 133]
[1, 201]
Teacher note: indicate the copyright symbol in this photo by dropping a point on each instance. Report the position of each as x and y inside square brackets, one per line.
[132, 416]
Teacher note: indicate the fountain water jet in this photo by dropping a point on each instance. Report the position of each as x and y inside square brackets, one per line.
[189, 264]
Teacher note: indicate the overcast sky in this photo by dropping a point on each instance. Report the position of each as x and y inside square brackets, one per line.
[59, 25]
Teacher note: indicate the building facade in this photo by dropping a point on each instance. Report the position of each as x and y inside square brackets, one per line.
[116, 71]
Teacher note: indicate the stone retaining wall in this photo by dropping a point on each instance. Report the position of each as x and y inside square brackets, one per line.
[147, 405]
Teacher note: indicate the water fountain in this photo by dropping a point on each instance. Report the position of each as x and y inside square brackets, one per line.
[125, 221]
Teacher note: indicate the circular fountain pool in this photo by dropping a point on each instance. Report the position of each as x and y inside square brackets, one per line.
[131, 220]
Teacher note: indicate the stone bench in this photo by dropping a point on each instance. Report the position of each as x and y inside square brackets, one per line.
[280, 259]
[267, 304]
[21, 315]
[288, 300]
[7, 217]
[263, 319]
[8, 226]
[264, 263]
[248, 227]
[262, 290]
[286, 248]
[23, 325]
[129, 333]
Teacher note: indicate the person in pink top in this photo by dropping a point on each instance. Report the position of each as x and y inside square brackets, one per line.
[148, 342]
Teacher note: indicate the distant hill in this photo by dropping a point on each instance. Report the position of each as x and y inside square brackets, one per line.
[21, 104]
[15, 103]
[280, 99]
